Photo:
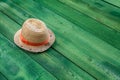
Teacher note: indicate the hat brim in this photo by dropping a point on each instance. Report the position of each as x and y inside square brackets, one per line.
[30, 48]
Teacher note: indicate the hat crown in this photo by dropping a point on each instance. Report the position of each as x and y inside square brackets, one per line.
[34, 30]
[35, 25]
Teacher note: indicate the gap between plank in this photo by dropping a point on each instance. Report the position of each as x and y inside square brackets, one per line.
[3, 75]
[111, 4]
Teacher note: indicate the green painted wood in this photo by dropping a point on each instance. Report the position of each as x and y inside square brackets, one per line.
[100, 11]
[2, 77]
[55, 63]
[114, 2]
[83, 21]
[48, 63]
[98, 60]
[16, 65]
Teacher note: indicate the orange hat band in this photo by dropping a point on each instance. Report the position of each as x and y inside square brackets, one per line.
[31, 43]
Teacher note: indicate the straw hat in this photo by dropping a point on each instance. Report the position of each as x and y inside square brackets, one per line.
[34, 36]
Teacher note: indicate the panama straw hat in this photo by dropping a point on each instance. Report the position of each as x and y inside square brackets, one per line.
[34, 36]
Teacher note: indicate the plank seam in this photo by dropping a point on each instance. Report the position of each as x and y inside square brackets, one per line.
[4, 75]
[10, 17]
[111, 4]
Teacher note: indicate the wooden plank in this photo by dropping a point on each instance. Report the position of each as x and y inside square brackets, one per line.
[98, 10]
[107, 34]
[2, 77]
[14, 64]
[51, 60]
[83, 48]
[114, 2]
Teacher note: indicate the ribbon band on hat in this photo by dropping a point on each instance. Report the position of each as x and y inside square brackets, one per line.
[31, 43]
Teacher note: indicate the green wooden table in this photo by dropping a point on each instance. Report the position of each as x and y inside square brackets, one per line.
[87, 43]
